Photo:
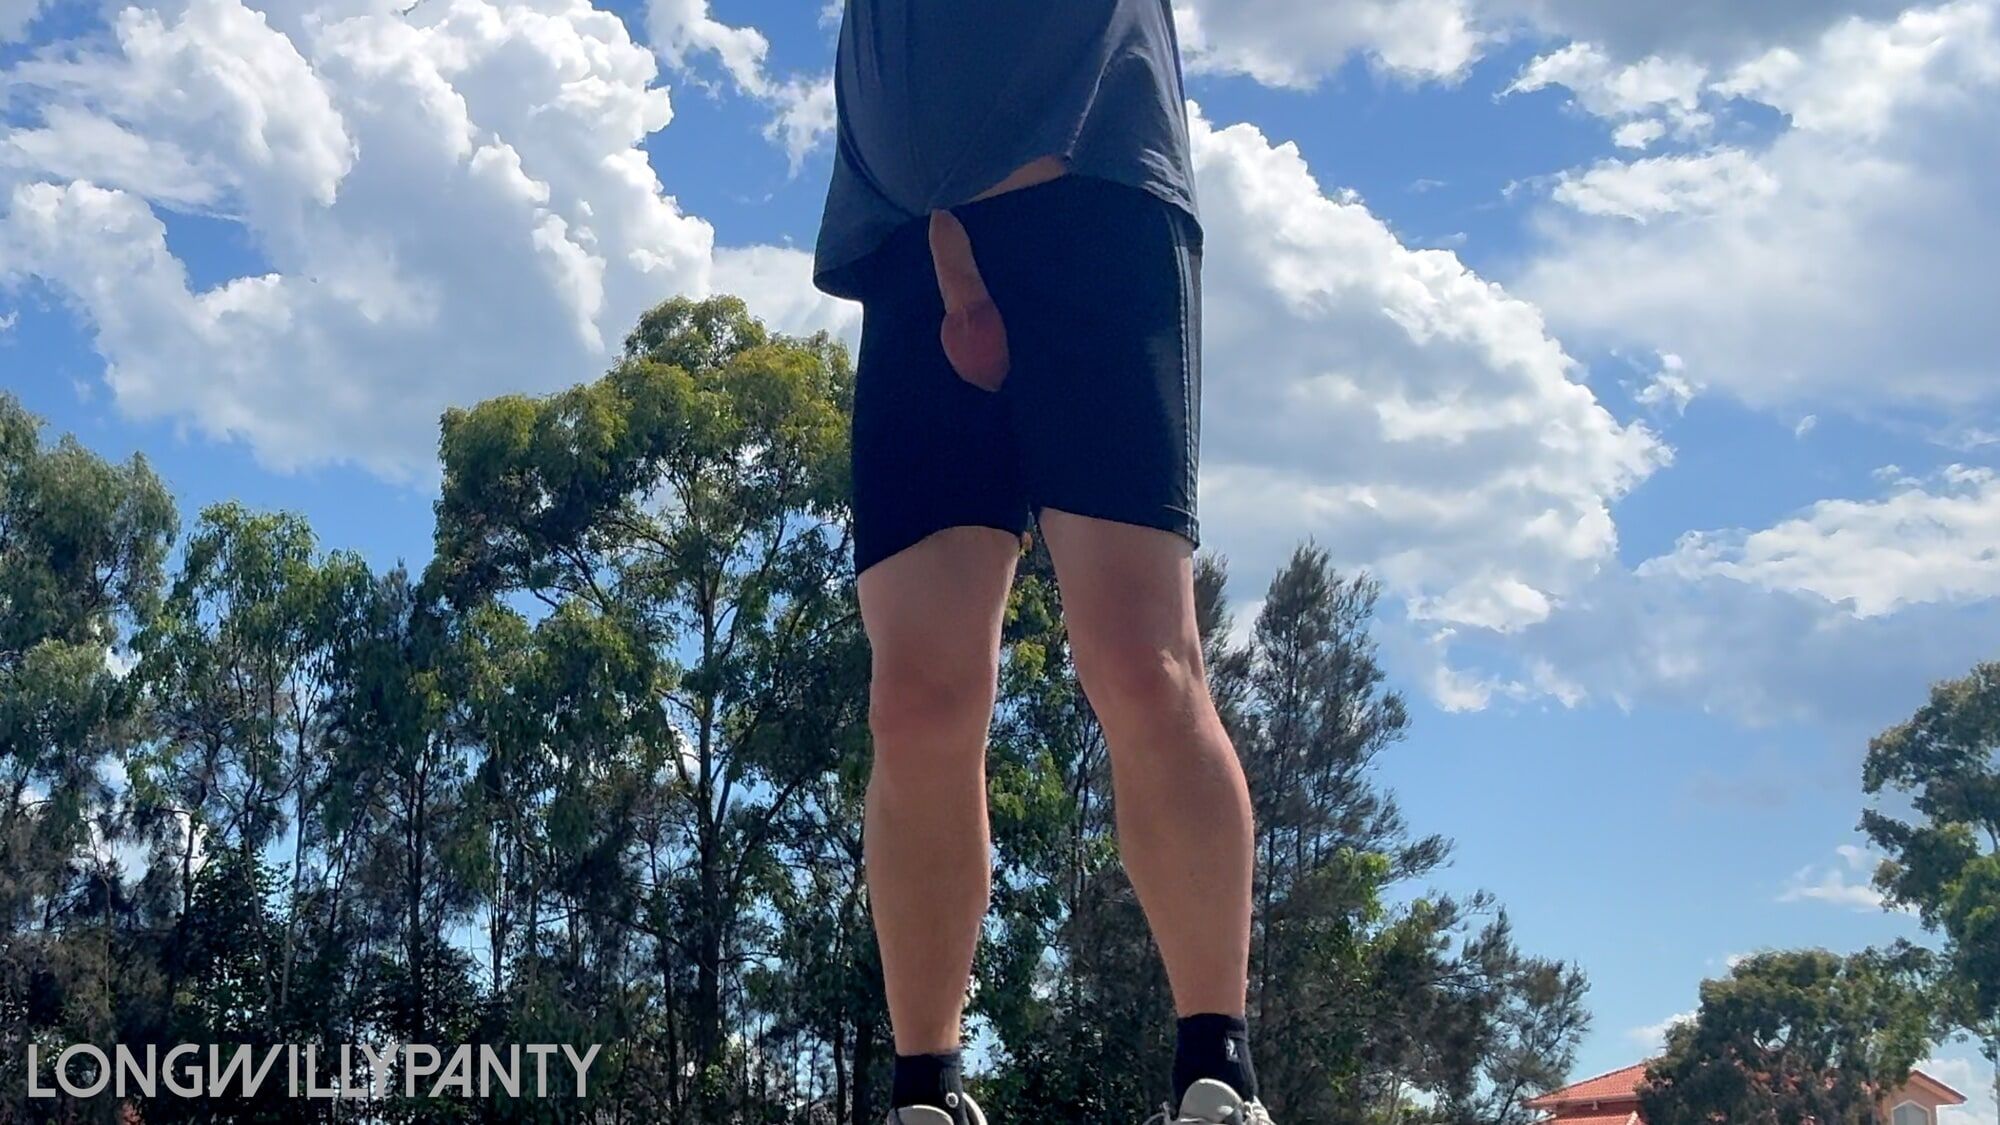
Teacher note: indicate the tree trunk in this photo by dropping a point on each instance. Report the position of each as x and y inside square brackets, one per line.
[864, 1066]
[839, 1071]
[708, 990]
[187, 867]
[500, 913]
[292, 910]
[413, 895]
[1993, 1056]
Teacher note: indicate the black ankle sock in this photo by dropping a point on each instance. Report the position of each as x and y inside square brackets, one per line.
[1214, 1046]
[932, 1080]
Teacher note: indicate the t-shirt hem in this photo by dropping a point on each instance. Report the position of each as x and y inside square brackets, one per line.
[845, 277]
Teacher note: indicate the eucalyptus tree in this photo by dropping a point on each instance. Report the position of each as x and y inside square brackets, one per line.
[1937, 778]
[83, 542]
[687, 513]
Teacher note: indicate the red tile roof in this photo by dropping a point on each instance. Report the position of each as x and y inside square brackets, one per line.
[1618, 1085]
[1622, 1085]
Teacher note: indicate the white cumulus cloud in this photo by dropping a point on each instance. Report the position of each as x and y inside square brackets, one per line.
[803, 106]
[1671, 387]
[16, 15]
[1844, 264]
[1294, 44]
[1926, 542]
[1666, 186]
[1847, 883]
[1410, 414]
[1722, 30]
[1652, 1038]
[1298, 45]
[1652, 96]
[1839, 616]
[449, 205]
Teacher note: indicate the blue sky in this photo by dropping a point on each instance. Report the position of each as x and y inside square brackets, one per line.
[1645, 351]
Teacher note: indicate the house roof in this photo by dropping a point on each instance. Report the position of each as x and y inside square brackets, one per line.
[1622, 1085]
[1945, 1094]
[1617, 1085]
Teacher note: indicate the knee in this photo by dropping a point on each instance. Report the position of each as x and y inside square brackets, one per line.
[930, 713]
[1143, 680]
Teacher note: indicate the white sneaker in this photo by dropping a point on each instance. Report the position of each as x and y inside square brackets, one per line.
[1209, 1102]
[930, 1115]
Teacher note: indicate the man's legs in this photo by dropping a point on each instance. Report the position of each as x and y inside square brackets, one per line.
[933, 615]
[1183, 807]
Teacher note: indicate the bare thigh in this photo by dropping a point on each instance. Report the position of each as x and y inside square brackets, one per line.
[933, 613]
[1128, 599]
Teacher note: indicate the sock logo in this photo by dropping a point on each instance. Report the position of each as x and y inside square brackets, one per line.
[1229, 1049]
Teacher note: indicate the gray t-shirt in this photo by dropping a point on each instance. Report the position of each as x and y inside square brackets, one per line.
[939, 100]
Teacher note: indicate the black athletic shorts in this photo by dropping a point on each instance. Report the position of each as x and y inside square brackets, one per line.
[1100, 415]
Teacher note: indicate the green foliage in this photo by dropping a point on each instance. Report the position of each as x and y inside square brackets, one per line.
[82, 545]
[1794, 1037]
[1374, 1005]
[596, 776]
[226, 974]
[681, 522]
[81, 548]
[729, 430]
[1944, 859]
